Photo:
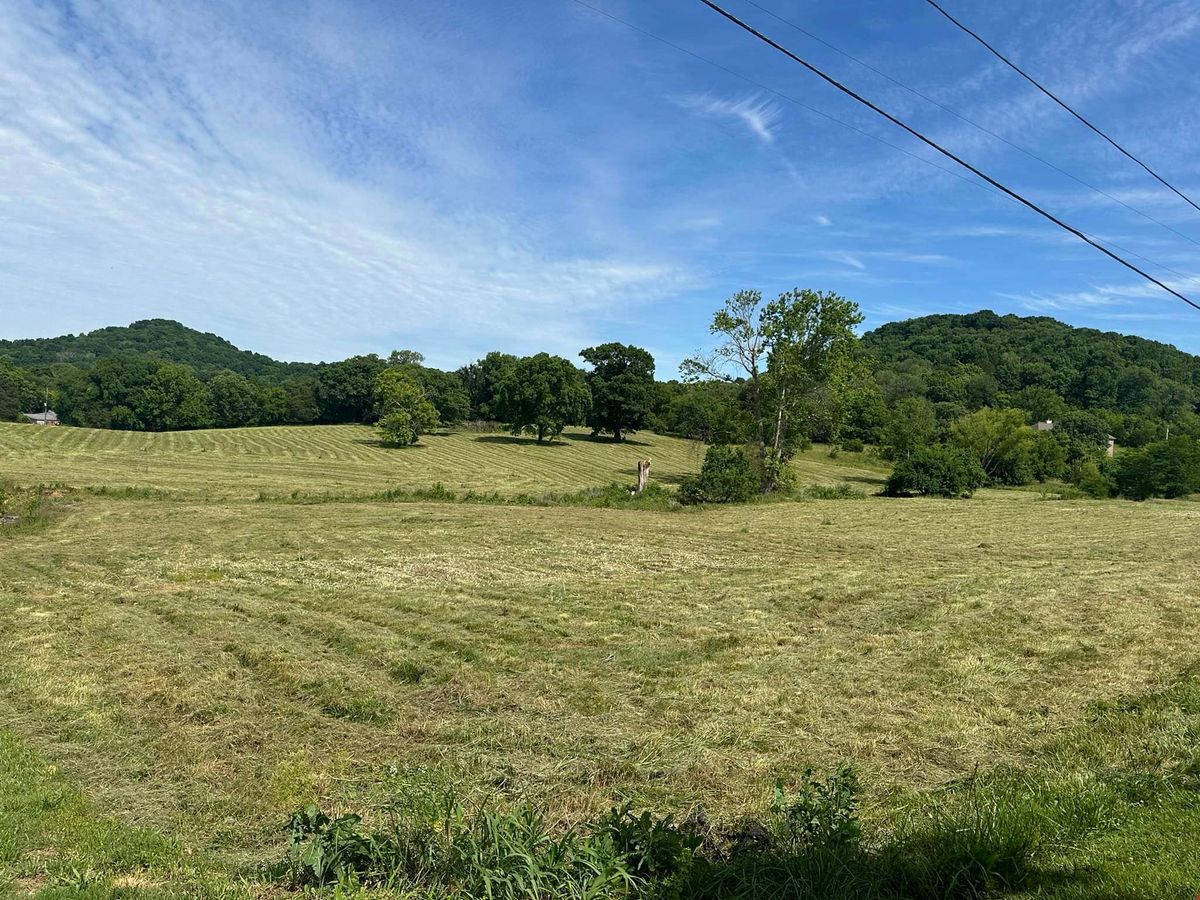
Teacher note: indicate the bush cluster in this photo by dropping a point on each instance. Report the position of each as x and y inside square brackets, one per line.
[938, 472]
[728, 475]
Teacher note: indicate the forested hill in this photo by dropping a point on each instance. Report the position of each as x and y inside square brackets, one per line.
[160, 338]
[974, 358]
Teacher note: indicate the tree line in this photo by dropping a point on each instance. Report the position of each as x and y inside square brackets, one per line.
[780, 373]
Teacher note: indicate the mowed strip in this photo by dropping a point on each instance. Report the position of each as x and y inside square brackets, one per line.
[243, 463]
[207, 668]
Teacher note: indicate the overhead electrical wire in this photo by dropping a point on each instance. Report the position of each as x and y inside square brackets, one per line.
[1037, 84]
[962, 118]
[750, 29]
[783, 96]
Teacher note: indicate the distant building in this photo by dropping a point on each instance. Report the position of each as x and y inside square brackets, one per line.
[48, 417]
[1048, 425]
[1112, 445]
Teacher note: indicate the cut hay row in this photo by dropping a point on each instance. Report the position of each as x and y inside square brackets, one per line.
[242, 463]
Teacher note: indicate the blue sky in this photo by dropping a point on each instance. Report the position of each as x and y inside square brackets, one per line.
[315, 179]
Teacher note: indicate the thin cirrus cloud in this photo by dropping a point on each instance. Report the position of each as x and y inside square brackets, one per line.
[341, 177]
[758, 115]
[124, 195]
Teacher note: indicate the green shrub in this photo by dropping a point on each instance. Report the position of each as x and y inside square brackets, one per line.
[937, 471]
[840, 491]
[823, 813]
[853, 445]
[728, 475]
[1087, 476]
[1169, 468]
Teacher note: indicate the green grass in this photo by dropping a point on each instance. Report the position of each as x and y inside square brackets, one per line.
[202, 663]
[347, 459]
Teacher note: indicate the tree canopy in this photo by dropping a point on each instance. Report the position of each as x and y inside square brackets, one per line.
[543, 394]
[622, 386]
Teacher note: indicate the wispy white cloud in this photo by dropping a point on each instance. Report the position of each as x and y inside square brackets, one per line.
[125, 195]
[756, 113]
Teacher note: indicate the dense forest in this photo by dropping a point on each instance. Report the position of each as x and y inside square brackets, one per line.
[957, 381]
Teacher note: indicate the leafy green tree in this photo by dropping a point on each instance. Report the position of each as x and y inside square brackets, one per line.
[1048, 455]
[937, 471]
[346, 389]
[740, 354]
[174, 399]
[482, 380]
[707, 411]
[727, 475]
[1169, 468]
[1040, 403]
[798, 344]
[810, 346]
[999, 440]
[235, 402]
[303, 406]
[406, 413]
[406, 358]
[19, 392]
[622, 386]
[543, 394]
[911, 427]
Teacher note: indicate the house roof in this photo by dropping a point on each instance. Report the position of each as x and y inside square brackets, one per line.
[47, 416]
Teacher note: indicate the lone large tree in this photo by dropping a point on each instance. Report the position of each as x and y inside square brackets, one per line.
[542, 394]
[622, 385]
[785, 351]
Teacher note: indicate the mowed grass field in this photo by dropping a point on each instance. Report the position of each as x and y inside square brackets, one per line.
[242, 463]
[203, 668]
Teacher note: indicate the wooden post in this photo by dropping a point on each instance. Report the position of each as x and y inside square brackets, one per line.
[643, 474]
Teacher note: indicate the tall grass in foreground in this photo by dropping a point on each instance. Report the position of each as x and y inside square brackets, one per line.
[1009, 834]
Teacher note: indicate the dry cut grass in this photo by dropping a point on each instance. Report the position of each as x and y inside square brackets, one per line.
[205, 668]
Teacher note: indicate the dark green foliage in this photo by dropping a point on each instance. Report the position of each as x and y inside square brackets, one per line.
[728, 475]
[853, 445]
[822, 813]
[911, 426]
[320, 848]
[708, 411]
[444, 390]
[346, 389]
[406, 413]
[19, 392]
[841, 491]
[1131, 387]
[235, 402]
[161, 338]
[936, 471]
[482, 381]
[542, 394]
[622, 386]
[1169, 468]
[650, 848]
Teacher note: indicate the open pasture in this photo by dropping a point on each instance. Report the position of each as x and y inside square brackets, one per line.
[205, 668]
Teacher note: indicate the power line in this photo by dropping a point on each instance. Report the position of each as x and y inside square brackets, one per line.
[834, 119]
[782, 96]
[940, 149]
[1032, 155]
[1012, 65]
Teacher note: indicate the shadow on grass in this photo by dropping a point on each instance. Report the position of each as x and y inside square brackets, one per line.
[595, 439]
[517, 439]
[378, 444]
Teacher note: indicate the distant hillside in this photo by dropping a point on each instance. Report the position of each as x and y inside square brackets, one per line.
[971, 358]
[160, 338]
